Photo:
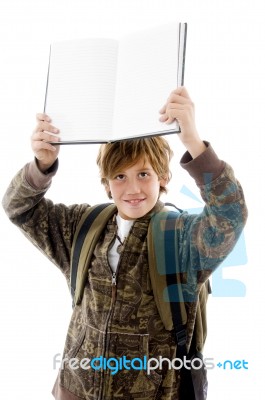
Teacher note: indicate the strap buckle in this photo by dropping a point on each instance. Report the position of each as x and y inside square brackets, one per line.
[181, 337]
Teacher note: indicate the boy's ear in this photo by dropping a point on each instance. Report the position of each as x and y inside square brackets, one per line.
[163, 185]
[107, 188]
[164, 182]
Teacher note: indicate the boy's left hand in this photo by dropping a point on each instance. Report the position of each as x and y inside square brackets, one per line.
[179, 106]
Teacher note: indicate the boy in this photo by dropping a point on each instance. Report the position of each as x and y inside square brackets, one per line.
[118, 316]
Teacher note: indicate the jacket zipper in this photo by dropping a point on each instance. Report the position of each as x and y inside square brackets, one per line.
[113, 298]
[113, 280]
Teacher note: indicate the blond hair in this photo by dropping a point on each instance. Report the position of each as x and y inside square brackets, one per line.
[118, 156]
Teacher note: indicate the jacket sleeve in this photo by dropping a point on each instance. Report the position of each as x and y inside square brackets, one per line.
[207, 238]
[50, 227]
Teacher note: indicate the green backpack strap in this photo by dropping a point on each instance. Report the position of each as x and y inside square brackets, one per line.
[165, 278]
[163, 269]
[86, 237]
[167, 287]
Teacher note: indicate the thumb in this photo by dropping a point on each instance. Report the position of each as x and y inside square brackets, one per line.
[182, 91]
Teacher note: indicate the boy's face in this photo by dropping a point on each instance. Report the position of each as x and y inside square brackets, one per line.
[135, 190]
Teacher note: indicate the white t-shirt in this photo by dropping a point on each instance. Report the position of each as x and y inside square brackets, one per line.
[123, 228]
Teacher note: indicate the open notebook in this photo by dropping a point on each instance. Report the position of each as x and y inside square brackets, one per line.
[103, 90]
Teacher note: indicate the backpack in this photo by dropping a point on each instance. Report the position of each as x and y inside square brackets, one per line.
[163, 279]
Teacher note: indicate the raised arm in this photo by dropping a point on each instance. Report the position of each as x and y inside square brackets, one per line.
[49, 226]
[45, 132]
[180, 106]
[204, 240]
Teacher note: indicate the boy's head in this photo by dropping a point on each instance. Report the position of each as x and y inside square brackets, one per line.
[135, 173]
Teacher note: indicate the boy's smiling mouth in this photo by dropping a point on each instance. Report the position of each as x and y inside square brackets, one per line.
[134, 201]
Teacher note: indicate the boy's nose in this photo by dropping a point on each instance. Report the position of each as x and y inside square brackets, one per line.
[133, 187]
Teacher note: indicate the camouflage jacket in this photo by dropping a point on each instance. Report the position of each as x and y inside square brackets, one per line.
[118, 317]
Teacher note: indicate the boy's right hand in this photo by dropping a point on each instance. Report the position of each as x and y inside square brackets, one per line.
[45, 153]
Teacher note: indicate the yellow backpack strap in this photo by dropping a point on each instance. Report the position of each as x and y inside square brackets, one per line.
[86, 237]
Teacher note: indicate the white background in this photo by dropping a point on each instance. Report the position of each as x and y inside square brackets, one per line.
[225, 77]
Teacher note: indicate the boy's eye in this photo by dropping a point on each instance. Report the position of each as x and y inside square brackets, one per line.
[120, 177]
[143, 174]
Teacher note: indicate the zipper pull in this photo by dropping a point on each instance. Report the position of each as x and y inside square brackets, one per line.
[113, 280]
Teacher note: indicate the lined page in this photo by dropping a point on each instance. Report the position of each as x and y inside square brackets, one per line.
[81, 88]
[147, 73]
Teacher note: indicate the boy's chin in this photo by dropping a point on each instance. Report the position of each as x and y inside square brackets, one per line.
[133, 214]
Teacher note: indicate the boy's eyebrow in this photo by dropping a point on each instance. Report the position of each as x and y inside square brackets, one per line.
[145, 169]
[137, 170]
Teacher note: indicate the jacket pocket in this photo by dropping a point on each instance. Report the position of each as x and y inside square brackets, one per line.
[130, 380]
[77, 343]
[78, 376]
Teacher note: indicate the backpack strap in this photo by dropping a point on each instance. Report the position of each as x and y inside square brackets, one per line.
[163, 269]
[164, 272]
[86, 237]
[167, 287]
